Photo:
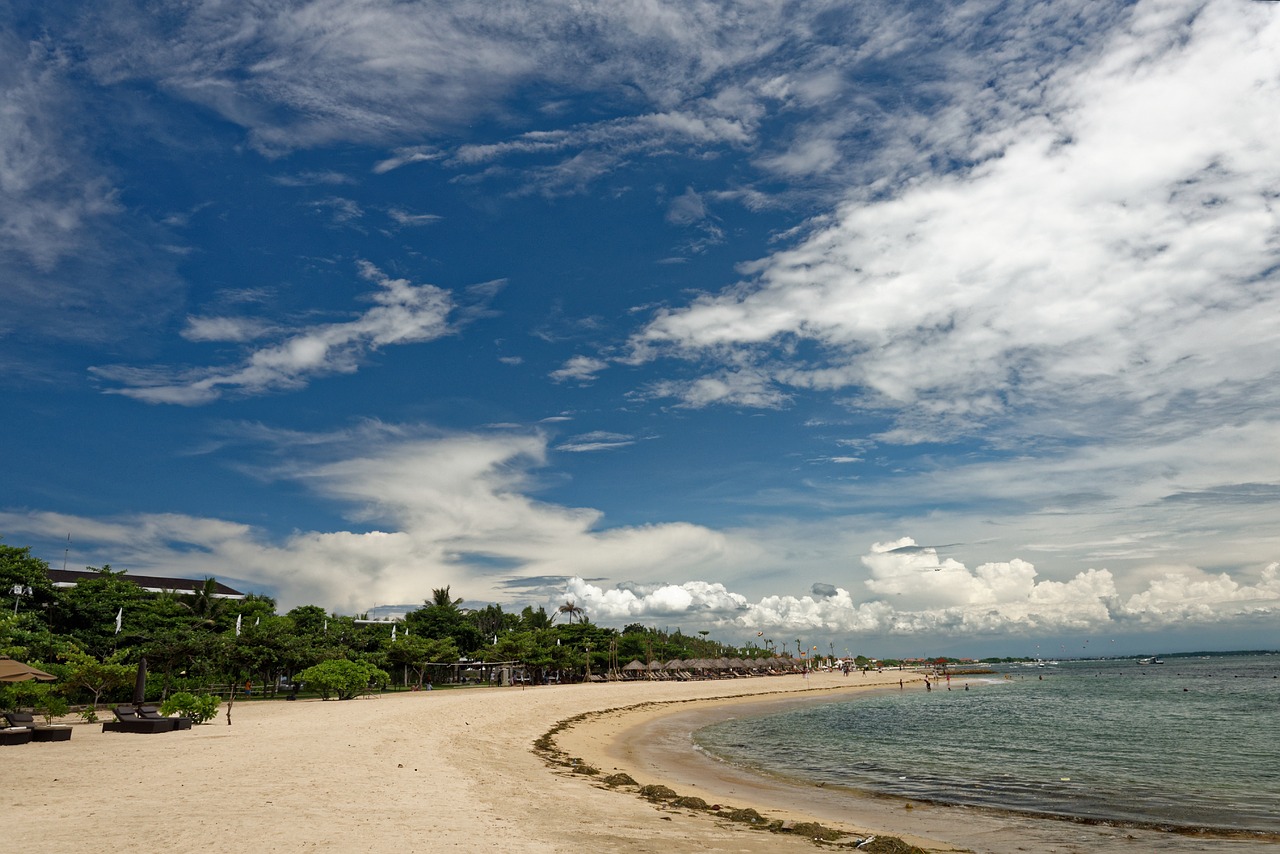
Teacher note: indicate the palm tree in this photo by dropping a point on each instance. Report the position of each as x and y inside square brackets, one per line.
[571, 609]
[204, 604]
[440, 598]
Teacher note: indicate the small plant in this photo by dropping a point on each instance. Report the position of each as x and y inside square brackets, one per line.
[51, 706]
[88, 714]
[199, 708]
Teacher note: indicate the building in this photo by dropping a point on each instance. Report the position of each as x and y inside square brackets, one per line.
[149, 583]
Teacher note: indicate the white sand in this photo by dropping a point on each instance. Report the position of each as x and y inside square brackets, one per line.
[456, 770]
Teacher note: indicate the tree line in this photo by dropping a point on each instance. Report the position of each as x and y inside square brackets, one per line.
[92, 635]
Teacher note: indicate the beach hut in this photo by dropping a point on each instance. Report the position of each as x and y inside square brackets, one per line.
[633, 669]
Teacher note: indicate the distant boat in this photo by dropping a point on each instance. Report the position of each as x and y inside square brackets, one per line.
[1155, 659]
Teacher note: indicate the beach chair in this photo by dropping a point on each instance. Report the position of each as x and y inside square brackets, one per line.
[151, 713]
[15, 735]
[128, 720]
[24, 720]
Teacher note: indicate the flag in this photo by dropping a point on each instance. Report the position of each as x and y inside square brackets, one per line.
[119, 619]
[258, 622]
[326, 627]
[393, 632]
[238, 616]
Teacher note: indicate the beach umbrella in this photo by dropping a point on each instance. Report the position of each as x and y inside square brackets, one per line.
[140, 683]
[675, 664]
[12, 670]
[634, 665]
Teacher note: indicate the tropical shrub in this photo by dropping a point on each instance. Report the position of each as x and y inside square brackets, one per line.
[342, 678]
[199, 708]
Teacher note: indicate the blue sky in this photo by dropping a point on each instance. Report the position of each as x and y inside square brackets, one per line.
[909, 326]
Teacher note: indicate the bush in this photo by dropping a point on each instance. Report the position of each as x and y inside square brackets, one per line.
[52, 706]
[341, 678]
[199, 708]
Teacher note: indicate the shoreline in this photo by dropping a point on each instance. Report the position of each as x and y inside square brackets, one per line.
[654, 744]
[458, 770]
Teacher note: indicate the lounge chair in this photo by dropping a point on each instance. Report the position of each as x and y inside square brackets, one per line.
[15, 735]
[128, 720]
[24, 720]
[151, 713]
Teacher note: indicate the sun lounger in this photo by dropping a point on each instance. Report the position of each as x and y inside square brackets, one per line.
[24, 720]
[15, 735]
[151, 713]
[128, 720]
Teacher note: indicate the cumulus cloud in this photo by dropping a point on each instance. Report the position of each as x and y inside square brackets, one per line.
[403, 314]
[915, 593]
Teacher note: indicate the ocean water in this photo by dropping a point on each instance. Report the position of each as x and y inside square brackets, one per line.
[1190, 743]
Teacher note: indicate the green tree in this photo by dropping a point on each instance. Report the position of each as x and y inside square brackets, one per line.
[341, 678]
[420, 654]
[97, 677]
[441, 617]
[570, 609]
[89, 609]
[531, 620]
[205, 605]
[24, 581]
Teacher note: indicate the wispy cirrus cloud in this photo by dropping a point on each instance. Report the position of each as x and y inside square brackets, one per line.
[598, 440]
[403, 314]
[1107, 264]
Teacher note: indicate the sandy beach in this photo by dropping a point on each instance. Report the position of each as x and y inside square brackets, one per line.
[458, 770]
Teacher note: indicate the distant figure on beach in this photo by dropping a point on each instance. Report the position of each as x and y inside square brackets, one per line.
[928, 686]
[899, 684]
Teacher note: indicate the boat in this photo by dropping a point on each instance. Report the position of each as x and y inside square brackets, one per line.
[1155, 659]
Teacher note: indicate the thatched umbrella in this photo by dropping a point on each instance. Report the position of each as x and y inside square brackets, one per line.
[674, 664]
[634, 667]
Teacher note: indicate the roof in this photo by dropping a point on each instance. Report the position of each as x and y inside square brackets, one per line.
[150, 583]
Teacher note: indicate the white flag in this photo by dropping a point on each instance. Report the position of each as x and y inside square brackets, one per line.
[258, 621]
[393, 632]
[119, 619]
[238, 616]
[326, 627]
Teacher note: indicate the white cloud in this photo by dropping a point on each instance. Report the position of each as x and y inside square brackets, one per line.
[914, 593]
[580, 369]
[1117, 250]
[598, 440]
[420, 505]
[403, 314]
[423, 506]
[734, 388]
[225, 329]
[408, 219]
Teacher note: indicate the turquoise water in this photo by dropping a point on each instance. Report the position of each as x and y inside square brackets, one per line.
[1192, 743]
